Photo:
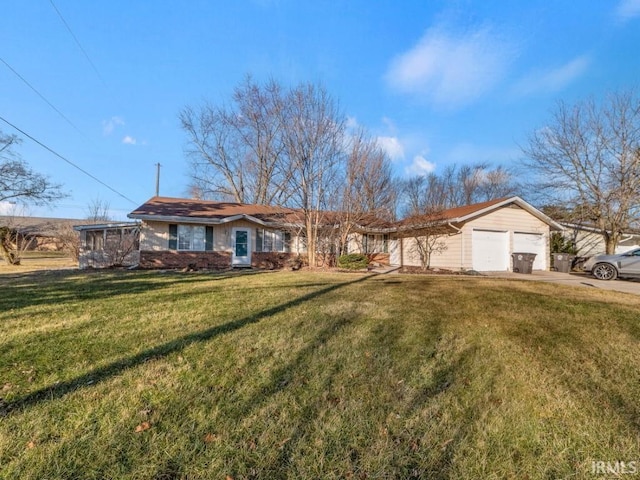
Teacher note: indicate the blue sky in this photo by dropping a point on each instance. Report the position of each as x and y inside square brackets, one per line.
[437, 82]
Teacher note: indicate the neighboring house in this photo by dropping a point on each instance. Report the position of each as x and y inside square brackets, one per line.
[479, 237]
[178, 233]
[114, 244]
[38, 233]
[589, 241]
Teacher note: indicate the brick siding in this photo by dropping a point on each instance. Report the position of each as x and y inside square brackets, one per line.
[174, 259]
[271, 260]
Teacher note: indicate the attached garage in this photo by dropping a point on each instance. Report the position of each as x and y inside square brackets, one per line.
[531, 243]
[482, 236]
[490, 250]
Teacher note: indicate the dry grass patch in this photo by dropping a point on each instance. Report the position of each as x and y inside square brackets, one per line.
[39, 261]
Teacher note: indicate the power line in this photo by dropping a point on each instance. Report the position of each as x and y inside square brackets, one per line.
[86, 55]
[67, 160]
[42, 97]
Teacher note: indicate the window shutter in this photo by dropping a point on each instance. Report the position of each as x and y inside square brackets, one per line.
[385, 245]
[287, 241]
[208, 238]
[259, 234]
[173, 237]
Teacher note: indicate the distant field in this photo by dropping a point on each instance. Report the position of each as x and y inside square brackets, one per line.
[32, 261]
[148, 375]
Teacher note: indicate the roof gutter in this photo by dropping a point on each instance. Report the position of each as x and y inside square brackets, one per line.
[199, 220]
[105, 226]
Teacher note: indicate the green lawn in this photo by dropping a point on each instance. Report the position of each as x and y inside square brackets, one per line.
[301, 375]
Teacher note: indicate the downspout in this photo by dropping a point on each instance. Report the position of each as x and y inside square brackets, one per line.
[458, 231]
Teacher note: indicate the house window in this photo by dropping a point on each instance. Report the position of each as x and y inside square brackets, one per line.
[190, 238]
[376, 243]
[272, 240]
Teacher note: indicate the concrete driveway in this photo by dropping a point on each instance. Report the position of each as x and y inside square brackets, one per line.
[575, 279]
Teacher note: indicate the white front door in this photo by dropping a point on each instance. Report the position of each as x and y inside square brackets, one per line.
[241, 245]
[394, 251]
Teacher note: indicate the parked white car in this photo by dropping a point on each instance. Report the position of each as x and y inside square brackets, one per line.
[610, 267]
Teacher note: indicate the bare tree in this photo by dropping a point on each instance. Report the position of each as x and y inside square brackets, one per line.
[587, 158]
[236, 151]
[14, 243]
[430, 242]
[288, 147]
[119, 244]
[426, 225]
[313, 131]
[111, 246]
[369, 190]
[370, 186]
[18, 182]
[457, 186]
[70, 240]
[427, 197]
[98, 211]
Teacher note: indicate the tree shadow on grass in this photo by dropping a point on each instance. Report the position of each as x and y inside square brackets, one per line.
[101, 374]
[292, 375]
[551, 337]
[380, 352]
[43, 288]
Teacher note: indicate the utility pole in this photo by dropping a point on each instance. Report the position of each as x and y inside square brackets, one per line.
[158, 179]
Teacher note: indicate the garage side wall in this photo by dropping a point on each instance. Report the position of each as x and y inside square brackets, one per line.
[447, 257]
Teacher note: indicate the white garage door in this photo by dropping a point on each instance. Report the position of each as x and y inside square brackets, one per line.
[490, 250]
[531, 243]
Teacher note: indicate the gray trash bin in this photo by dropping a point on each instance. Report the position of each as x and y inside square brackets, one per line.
[523, 262]
[562, 262]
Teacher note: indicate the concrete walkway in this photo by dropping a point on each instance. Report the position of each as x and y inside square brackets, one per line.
[575, 279]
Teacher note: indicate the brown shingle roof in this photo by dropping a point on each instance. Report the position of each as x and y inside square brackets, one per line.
[168, 208]
[460, 215]
[451, 213]
[164, 208]
[209, 210]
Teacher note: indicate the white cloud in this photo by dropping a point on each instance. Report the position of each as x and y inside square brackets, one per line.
[7, 208]
[392, 146]
[108, 126]
[555, 79]
[420, 166]
[451, 70]
[628, 9]
[128, 140]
